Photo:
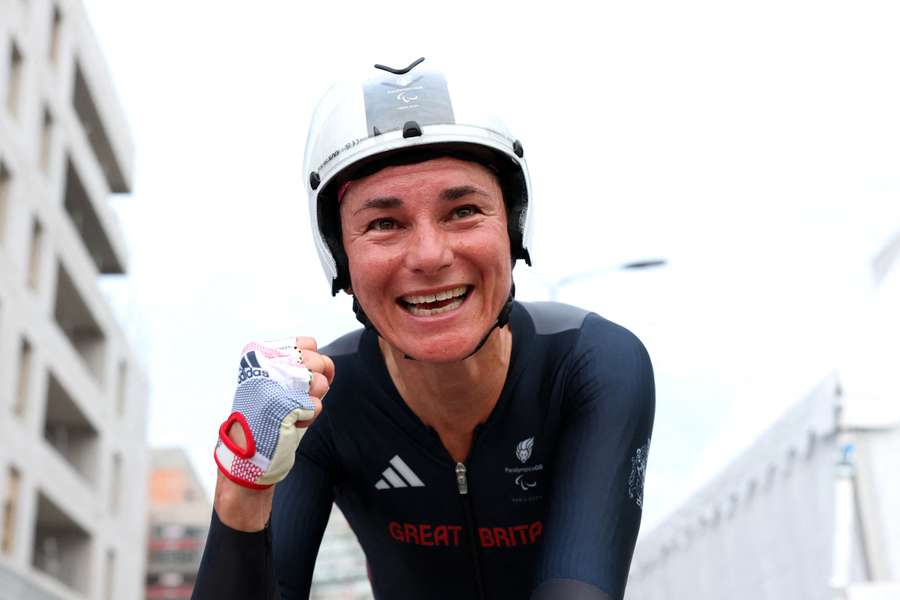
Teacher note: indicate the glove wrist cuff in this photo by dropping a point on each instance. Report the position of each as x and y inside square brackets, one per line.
[235, 479]
[236, 463]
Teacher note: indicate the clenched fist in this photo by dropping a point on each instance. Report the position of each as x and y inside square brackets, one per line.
[280, 386]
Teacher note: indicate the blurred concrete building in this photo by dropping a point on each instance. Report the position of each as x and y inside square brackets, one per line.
[179, 513]
[340, 572]
[812, 509]
[73, 399]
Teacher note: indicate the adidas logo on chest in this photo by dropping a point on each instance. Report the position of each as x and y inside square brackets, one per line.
[398, 475]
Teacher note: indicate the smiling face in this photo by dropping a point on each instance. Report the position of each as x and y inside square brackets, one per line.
[429, 255]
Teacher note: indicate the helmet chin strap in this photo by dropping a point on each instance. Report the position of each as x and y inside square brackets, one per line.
[502, 320]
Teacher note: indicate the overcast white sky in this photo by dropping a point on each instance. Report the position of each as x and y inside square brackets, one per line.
[754, 145]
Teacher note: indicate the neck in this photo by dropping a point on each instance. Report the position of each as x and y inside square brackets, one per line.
[453, 397]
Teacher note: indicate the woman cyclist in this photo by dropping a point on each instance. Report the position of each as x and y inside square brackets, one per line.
[479, 447]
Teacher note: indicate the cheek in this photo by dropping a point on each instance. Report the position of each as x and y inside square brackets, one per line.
[491, 249]
[369, 270]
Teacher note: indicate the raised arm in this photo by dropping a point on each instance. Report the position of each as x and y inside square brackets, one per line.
[278, 394]
[595, 508]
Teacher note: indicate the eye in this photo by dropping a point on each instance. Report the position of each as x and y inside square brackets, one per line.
[383, 224]
[461, 212]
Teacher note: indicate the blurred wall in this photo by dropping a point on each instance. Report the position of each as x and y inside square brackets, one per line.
[74, 399]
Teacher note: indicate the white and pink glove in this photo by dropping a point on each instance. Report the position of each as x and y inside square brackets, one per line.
[272, 396]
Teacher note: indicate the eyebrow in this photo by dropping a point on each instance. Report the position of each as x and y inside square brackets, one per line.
[449, 194]
[460, 191]
[380, 203]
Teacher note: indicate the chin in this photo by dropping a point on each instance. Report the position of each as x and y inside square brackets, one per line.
[438, 351]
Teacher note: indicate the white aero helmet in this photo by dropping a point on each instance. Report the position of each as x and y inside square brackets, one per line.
[404, 116]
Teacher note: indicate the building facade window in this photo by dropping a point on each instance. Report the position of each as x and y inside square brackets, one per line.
[47, 128]
[79, 205]
[109, 583]
[62, 548]
[79, 325]
[5, 186]
[10, 510]
[55, 33]
[23, 382]
[92, 124]
[16, 68]
[68, 430]
[115, 484]
[122, 391]
[34, 255]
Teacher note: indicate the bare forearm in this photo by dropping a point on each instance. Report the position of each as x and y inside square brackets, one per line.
[242, 508]
[239, 507]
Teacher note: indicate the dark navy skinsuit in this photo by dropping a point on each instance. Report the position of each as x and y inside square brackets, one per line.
[547, 504]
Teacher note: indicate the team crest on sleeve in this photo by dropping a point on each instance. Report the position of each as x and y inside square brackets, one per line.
[523, 449]
[638, 472]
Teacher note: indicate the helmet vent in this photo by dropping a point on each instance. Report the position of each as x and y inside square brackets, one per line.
[411, 129]
[518, 149]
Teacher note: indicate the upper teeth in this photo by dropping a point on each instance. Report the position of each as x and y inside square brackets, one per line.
[445, 295]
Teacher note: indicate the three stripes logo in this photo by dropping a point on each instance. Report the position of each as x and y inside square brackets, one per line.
[250, 367]
[398, 475]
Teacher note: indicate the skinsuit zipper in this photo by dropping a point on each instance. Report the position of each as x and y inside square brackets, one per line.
[462, 483]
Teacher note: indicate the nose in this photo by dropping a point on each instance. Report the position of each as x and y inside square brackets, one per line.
[429, 250]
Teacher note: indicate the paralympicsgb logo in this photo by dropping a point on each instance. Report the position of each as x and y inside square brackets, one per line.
[638, 473]
[523, 449]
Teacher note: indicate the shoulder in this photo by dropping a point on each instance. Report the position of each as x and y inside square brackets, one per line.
[350, 367]
[553, 317]
[608, 339]
[344, 345]
[345, 352]
[611, 352]
[588, 331]
[602, 360]
[613, 368]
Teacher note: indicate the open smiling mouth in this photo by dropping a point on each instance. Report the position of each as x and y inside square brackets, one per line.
[435, 304]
